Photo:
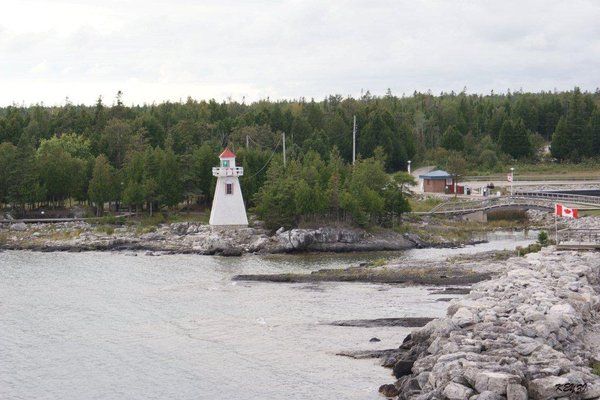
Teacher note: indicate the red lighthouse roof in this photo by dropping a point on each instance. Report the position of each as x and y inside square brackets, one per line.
[227, 153]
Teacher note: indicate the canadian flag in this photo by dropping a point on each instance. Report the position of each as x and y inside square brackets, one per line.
[562, 211]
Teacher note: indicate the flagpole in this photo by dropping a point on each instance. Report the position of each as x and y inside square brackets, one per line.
[556, 223]
[556, 227]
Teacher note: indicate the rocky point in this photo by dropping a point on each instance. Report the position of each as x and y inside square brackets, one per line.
[530, 332]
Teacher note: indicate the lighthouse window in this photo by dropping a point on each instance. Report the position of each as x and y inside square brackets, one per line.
[225, 163]
[229, 188]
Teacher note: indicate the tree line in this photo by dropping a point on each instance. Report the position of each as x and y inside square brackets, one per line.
[159, 155]
[310, 190]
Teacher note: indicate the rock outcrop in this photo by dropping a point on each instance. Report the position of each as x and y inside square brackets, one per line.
[189, 237]
[532, 332]
[337, 240]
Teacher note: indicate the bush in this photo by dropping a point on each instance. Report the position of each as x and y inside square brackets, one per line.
[141, 230]
[532, 248]
[112, 220]
[488, 159]
[596, 368]
[543, 238]
[154, 220]
[379, 262]
[507, 215]
[109, 230]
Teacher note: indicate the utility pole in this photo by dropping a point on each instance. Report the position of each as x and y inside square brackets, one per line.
[284, 163]
[354, 141]
[246, 142]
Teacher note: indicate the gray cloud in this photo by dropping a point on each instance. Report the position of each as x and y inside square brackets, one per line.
[155, 51]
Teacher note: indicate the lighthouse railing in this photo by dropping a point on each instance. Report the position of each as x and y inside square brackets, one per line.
[227, 171]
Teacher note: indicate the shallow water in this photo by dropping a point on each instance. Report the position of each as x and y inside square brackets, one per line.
[110, 325]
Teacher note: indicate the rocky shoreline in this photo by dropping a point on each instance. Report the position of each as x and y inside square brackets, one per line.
[191, 238]
[533, 332]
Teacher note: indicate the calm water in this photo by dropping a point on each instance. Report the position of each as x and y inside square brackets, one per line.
[110, 325]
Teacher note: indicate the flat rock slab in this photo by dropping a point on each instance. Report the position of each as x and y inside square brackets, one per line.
[363, 354]
[409, 322]
[415, 275]
[455, 290]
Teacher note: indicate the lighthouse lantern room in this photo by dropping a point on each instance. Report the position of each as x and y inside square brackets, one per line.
[228, 208]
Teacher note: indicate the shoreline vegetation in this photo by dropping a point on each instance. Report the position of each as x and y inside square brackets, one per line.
[159, 157]
[193, 236]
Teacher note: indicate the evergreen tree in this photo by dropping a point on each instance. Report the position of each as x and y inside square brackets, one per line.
[199, 178]
[101, 188]
[452, 139]
[594, 130]
[561, 146]
[168, 181]
[8, 165]
[457, 167]
[514, 139]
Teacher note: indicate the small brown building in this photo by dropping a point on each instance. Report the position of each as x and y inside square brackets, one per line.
[437, 181]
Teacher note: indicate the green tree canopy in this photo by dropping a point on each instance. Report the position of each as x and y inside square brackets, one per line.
[102, 184]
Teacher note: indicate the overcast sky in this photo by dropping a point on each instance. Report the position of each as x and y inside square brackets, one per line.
[168, 50]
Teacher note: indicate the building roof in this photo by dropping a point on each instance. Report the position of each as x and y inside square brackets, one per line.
[437, 174]
[227, 153]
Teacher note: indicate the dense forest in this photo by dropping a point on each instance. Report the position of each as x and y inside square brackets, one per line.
[161, 155]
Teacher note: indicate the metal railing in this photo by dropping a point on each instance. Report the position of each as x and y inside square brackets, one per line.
[579, 236]
[227, 171]
[545, 201]
[571, 198]
[535, 178]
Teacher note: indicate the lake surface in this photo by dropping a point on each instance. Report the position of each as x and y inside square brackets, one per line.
[111, 325]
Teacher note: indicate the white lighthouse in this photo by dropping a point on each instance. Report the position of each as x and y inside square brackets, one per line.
[228, 208]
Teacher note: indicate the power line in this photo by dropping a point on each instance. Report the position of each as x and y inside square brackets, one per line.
[268, 161]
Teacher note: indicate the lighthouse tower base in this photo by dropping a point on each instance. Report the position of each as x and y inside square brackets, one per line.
[228, 209]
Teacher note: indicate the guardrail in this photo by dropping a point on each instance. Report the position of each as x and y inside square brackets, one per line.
[579, 235]
[517, 178]
[573, 198]
[533, 200]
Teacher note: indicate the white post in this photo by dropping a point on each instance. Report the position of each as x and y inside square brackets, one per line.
[409, 167]
[354, 141]
[512, 178]
[284, 161]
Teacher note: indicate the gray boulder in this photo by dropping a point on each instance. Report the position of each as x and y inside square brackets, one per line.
[455, 391]
[514, 391]
[463, 317]
[19, 227]
[545, 388]
[494, 381]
